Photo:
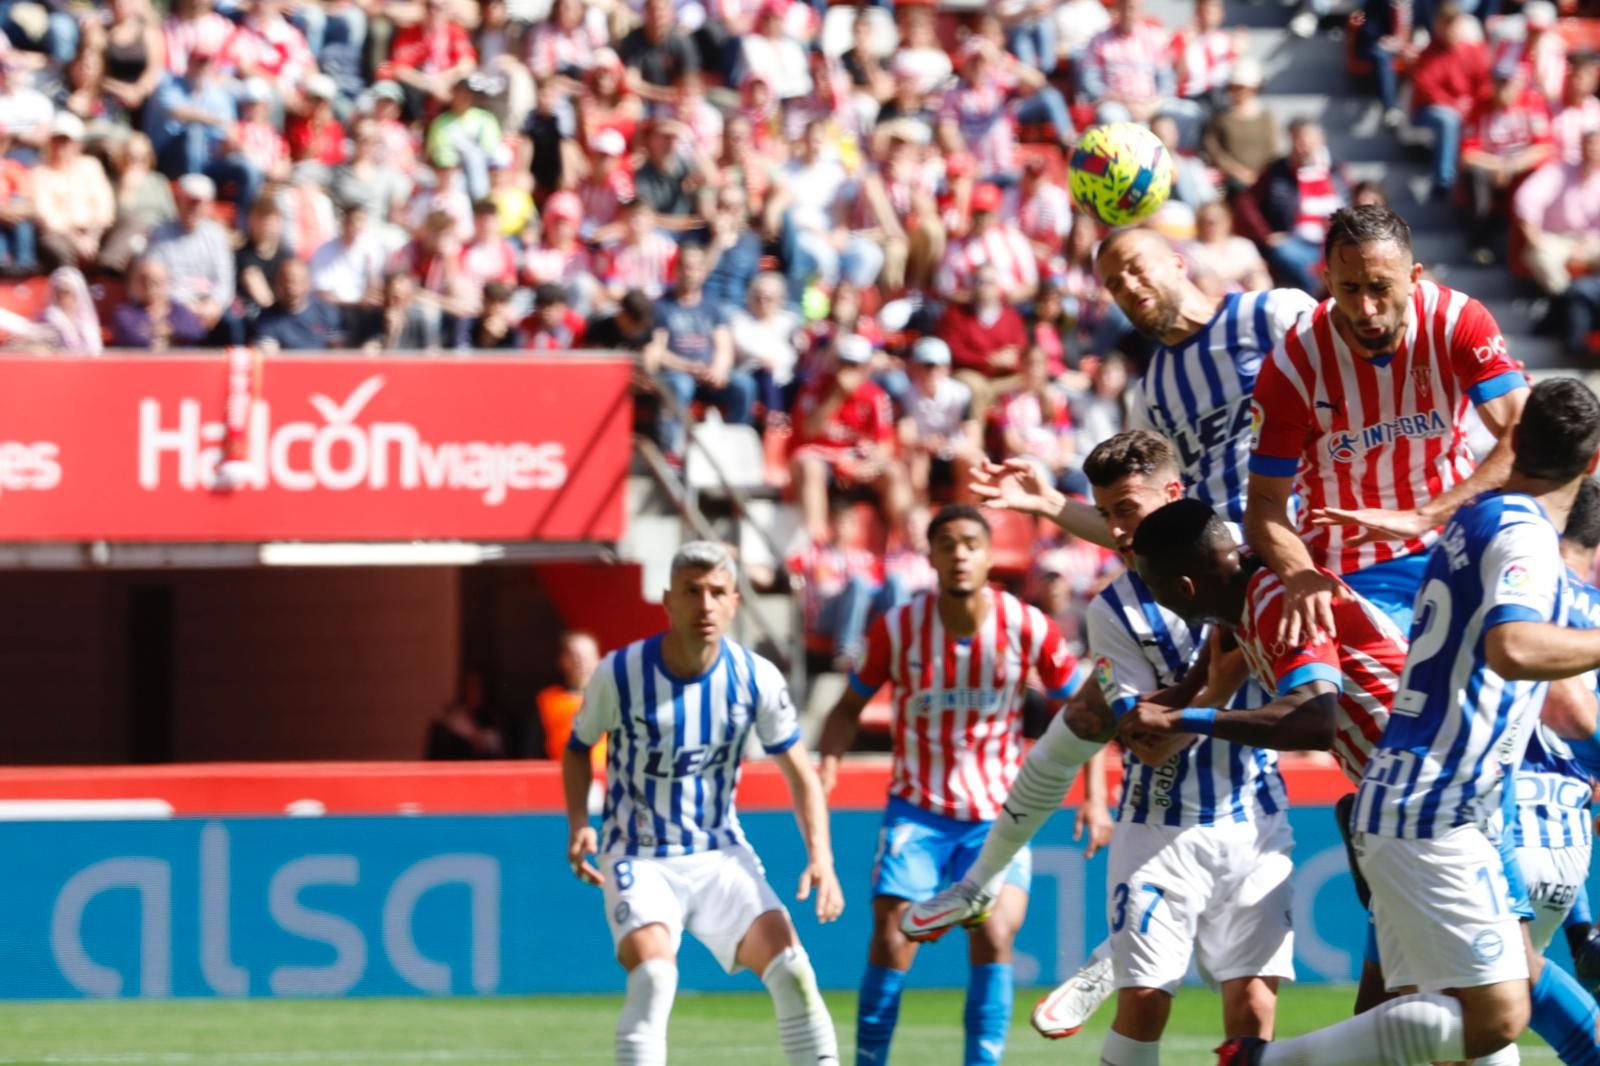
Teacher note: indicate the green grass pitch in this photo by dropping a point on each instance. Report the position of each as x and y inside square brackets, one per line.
[492, 1032]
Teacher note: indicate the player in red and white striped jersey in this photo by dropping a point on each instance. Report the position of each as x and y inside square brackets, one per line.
[1363, 409]
[1332, 691]
[959, 661]
[1203, 52]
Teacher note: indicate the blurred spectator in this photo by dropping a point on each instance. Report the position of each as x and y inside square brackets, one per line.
[1383, 32]
[667, 181]
[314, 132]
[1102, 412]
[1539, 53]
[940, 437]
[27, 111]
[1293, 200]
[863, 62]
[693, 352]
[1036, 423]
[554, 326]
[1127, 68]
[1191, 178]
[461, 731]
[268, 47]
[309, 218]
[1558, 211]
[630, 328]
[70, 316]
[558, 704]
[778, 56]
[431, 56]
[143, 202]
[764, 333]
[841, 583]
[975, 115]
[489, 256]
[299, 320]
[1508, 136]
[198, 255]
[1242, 138]
[609, 102]
[1098, 325]
[1077, 23]
[19, 237]
[818, 246]
[920, 59]
[465, 136]
[149, 318]
[906, 569]
[1579, 112]
[645, 259]
[348, 271]
[561, 256]
[994, 244]
[1220, 260]
[1445, 83]
[844, 438]
[1051, 328]
[366, 178]
[189, 120]
[564, 43]
[263, 152]
[605, 187]
[135, 53]
[397, 147]
[1044, 210]
[734, 248]
[986, 339]
[1204, 53]
[193, 27]
[257, 261]
[72, 200]
[656, 54]
[1066, 574]
[496, 327]
[1368, 194]
[82, 92]
[401, 322]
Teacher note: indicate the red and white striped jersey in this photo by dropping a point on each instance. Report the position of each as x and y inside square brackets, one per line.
[1203, 60]
[1544, 68]
[1003, 246]
[208, 34]
[1363, 659]
[650, 265]
[957, 723]
[271, 49]
[1045, 215]
[1389, 432]
[1131, 65]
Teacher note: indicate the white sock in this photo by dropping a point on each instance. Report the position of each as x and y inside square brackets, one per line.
[1119, 1050]
[1044, 781]
[642, 1028]
[1409, 1031]
[804, 1028]
[1506, 1056]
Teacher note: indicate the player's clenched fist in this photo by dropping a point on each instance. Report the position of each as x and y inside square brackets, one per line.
[580, 845]
[830, 897]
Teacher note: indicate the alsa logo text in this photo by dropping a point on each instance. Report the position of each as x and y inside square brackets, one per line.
[337, 453]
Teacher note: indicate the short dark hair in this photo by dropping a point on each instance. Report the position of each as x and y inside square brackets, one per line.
[639, 306]
[957, 512]
[1134, 451]
[498, 292]
[1174, 538]
[1365, 225]
[549, 293]
[1583, 524]
[1559, 432]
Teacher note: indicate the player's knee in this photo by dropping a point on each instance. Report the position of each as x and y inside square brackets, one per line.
[1489, 1030]
[651, 987]
[792, 982]
[1142, 1013]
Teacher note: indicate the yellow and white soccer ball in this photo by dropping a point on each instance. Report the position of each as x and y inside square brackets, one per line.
[1119, 173]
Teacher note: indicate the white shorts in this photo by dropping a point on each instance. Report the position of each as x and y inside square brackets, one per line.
[1442, 910]
[1219, 895]
[1554, 877]
[714, 895]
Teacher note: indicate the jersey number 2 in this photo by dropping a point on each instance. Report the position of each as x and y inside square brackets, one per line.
[1433, 608]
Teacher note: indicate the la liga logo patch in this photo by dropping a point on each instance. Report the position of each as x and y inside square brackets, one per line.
[1514, 576]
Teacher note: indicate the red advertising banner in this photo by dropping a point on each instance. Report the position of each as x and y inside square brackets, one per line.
[328, 447]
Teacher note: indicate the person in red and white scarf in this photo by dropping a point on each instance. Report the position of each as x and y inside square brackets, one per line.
[1506, 137]
[1127, 69]
[646, 259]
[993, 243]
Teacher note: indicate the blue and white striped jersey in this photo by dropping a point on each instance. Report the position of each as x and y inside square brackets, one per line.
[1552, 791]
[675, 744]
[1457, 727]
[1197, 392]
[1138, 646]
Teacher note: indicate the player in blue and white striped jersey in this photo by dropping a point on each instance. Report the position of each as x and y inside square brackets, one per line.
[1488, 640]
[677, 710]
[1200, 861]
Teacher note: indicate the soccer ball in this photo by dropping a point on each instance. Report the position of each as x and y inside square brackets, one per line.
[1119, 173]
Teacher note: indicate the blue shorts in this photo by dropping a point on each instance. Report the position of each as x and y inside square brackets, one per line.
[1391, 586]
[920, 852]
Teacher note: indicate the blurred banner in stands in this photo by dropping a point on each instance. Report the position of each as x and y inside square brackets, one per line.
[317, 447]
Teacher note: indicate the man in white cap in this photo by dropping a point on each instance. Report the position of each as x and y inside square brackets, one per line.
[939, 435]
[198, 256]
[844, 438]
[72, 200]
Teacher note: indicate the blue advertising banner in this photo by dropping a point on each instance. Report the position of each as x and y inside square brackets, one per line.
[481, 905]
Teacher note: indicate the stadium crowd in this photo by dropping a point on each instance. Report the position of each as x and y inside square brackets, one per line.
[846, 227]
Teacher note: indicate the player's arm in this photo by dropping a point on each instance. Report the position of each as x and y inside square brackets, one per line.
[1310, 593]
[1122, 677]
[811, 811]
[599, 715]
[1017, 485]
[1541, 651]
[839, 728]
[1301, 719]
[1094, 815]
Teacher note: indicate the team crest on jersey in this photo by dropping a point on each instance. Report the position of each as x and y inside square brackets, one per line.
[1344, 447]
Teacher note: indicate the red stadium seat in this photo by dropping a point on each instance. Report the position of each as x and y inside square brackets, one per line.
[27, 297]
[1014, 535]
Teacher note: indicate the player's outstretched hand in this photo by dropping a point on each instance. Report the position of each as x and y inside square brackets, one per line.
[1308, 606]
[1092, 825]
[1015, 485]
[830, 897]
[1376, 523]
[580, 845]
